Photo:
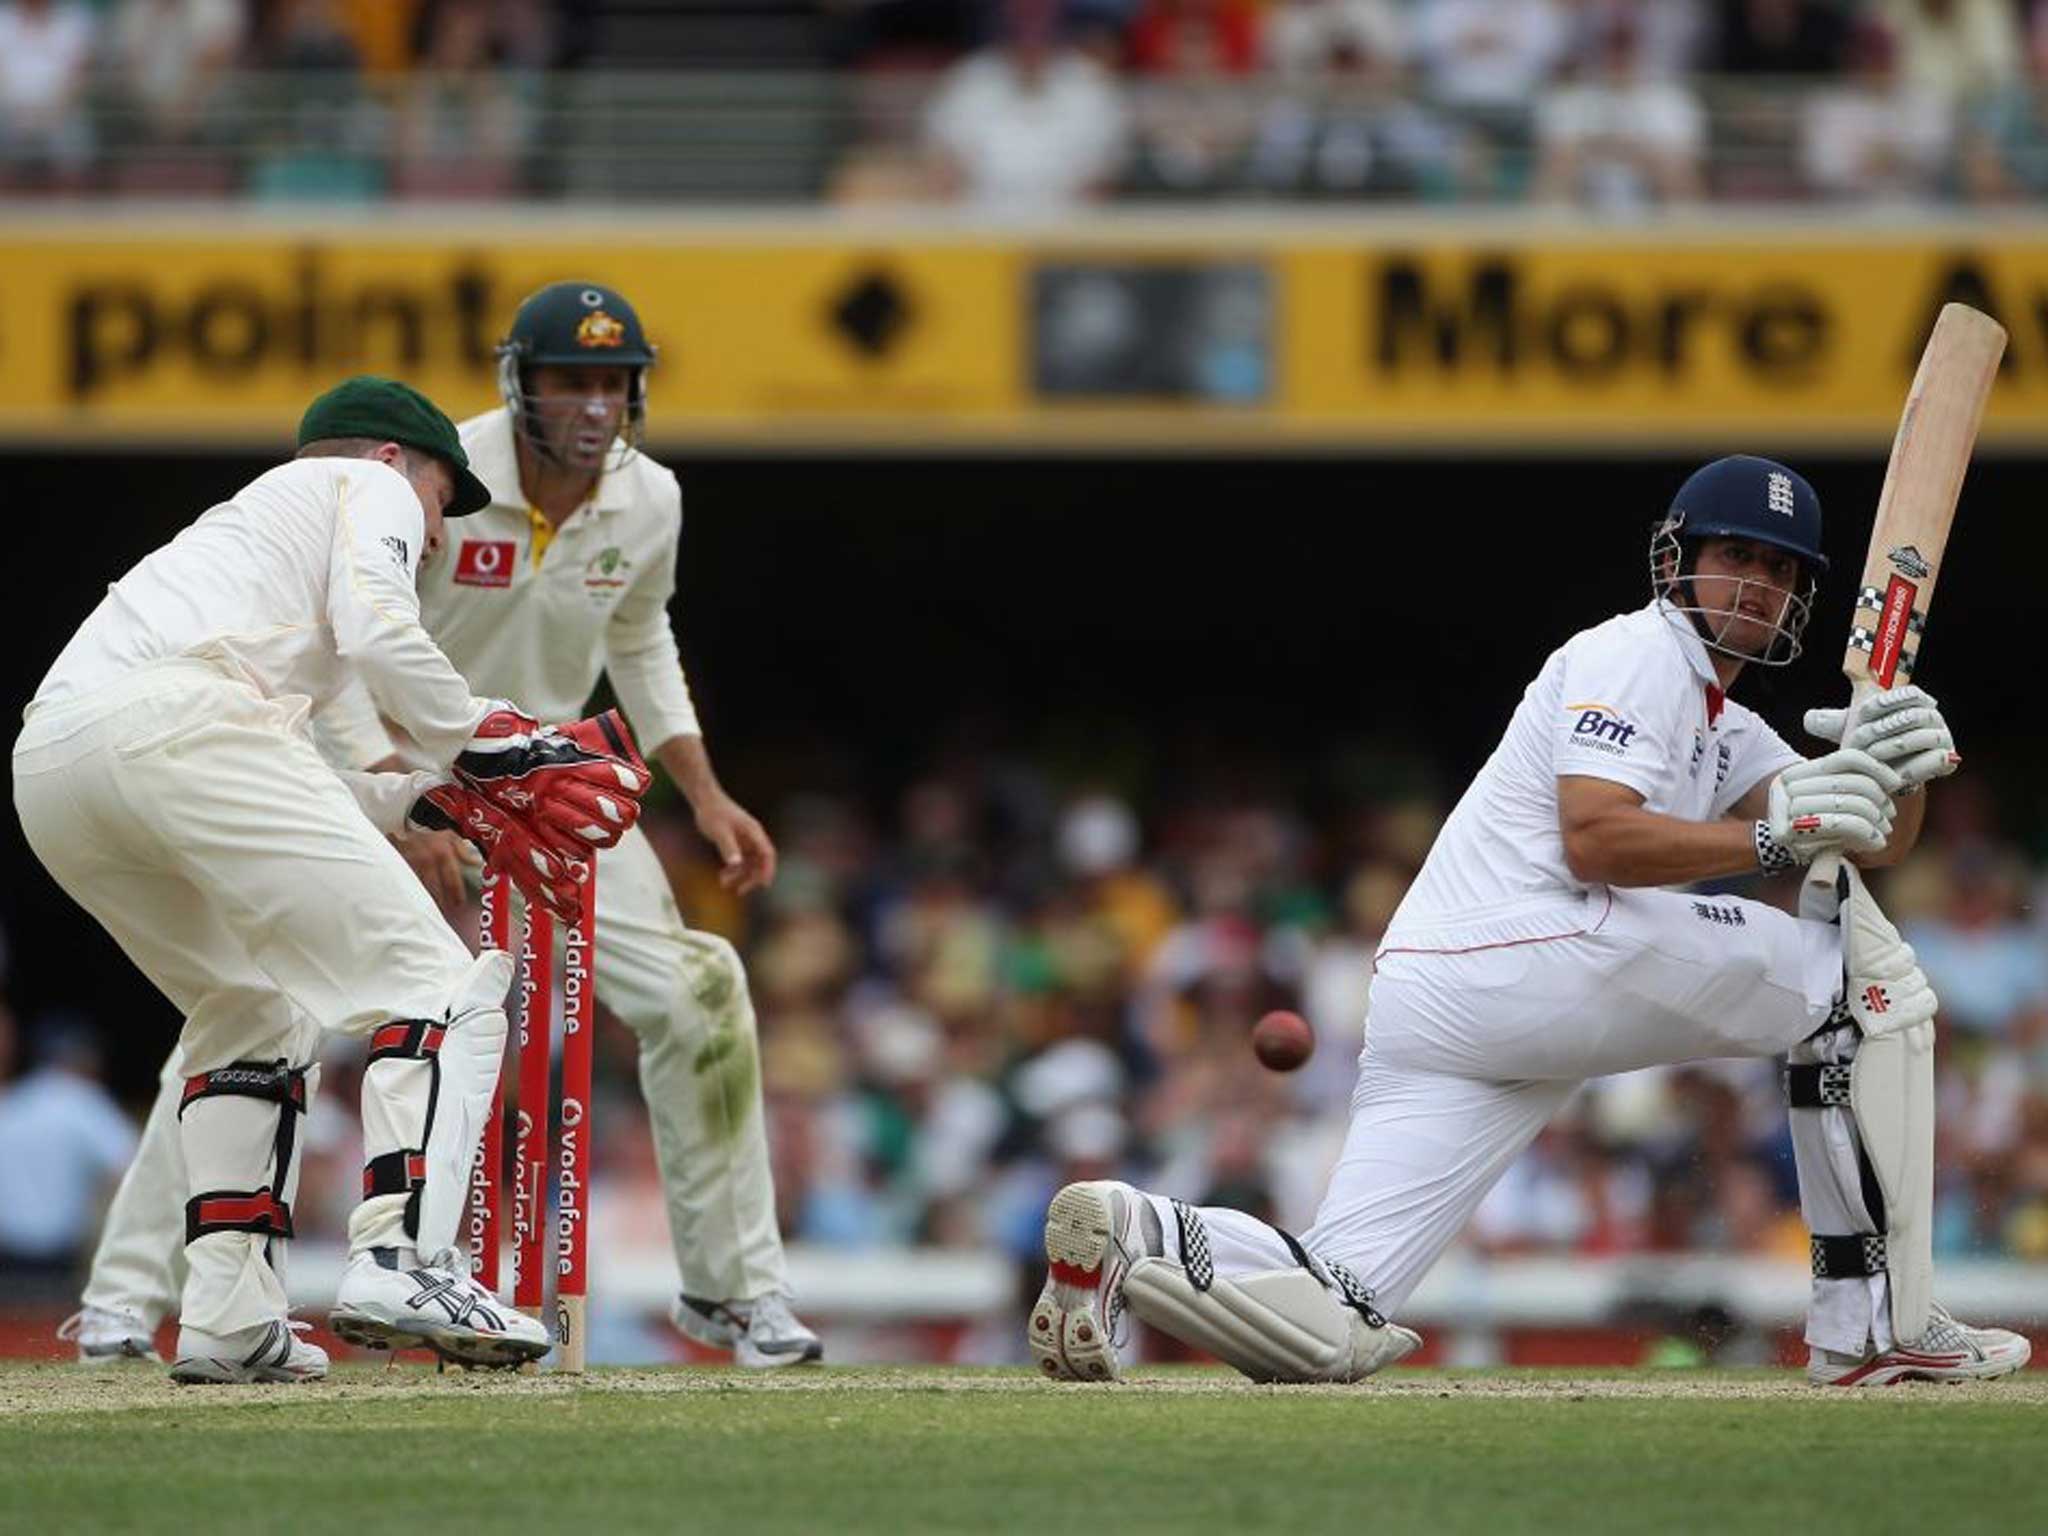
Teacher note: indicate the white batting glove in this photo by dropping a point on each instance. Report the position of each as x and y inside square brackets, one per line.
[1902, 728]
[1839, 802]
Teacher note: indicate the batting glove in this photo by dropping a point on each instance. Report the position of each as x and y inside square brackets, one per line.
[1902, 728]
[1839, 802]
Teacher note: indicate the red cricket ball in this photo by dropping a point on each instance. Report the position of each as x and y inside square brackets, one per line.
[1283, 1040]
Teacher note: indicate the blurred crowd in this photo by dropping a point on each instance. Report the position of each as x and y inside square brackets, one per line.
[1004, 983]
[1614, 105]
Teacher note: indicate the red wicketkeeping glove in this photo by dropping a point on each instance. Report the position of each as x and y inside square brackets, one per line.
[544, 871]
[578, 784]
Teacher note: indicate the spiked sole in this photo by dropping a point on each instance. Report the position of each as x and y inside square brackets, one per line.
[1069, 1333]
[457, 1346]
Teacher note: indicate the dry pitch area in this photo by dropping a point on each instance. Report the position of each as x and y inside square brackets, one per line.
[993, 1451]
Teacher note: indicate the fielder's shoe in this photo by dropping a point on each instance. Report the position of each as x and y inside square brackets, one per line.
[762, 1334]
[384, 1302]
[267, 1352]
[1093, 1234]
[106, 1337]
[1948, 1351]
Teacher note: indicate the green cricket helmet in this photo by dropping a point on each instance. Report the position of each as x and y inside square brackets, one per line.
[576, 325]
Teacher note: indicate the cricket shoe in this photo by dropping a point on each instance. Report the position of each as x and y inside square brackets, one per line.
[762, 1334]
[1947, 1351]
[386, 1303]
[1093, 1234]
[270, 1351]
[106, 1337]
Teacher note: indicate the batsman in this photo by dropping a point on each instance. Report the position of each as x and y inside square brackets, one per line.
[165, 777]
[564, 575]
[1539, 947]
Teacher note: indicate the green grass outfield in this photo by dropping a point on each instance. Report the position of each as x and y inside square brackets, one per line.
[855, 1450]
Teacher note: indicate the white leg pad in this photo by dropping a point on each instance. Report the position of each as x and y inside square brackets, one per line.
[471, 1056]
[1891, 1092]
[426, 1095]
[1277, 1325]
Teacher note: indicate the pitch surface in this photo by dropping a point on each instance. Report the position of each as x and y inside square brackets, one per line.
[992, 1451]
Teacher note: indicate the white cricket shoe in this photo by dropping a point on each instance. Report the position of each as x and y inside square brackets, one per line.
[762, 1334]
[1093, 1234]
[385, 1303]
[1947, 1351]
[106, 1337]
[270, 1351]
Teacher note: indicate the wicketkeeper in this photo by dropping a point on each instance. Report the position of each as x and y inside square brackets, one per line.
[165, 778]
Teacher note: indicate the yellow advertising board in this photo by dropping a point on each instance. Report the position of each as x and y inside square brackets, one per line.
[1181, 335]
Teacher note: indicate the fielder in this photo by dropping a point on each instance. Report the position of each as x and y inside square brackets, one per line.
[164, 777]
[564, 575]
[1536, 950]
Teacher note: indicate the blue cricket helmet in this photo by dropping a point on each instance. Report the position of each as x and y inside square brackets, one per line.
[1745, 497]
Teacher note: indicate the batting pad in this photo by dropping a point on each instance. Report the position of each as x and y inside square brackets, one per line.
[1277, 1325]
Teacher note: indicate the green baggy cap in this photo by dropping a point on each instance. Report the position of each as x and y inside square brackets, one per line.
[391, 412]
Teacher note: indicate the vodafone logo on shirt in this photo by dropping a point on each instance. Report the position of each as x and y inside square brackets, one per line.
[484, 563]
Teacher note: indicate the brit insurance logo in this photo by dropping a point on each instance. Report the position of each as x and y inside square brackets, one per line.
[1600, 728]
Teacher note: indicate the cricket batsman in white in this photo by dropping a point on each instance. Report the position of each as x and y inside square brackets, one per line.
[1540, 946]
[565, 576]
[165, 778]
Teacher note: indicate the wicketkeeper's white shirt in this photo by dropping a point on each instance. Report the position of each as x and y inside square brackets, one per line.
[543, 630]
[1633, 700]
[304, 577]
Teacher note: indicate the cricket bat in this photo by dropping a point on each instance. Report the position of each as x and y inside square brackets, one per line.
[1929, 457]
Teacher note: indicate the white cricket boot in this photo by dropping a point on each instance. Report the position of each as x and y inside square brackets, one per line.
[386, 1302]
[1948, 1351]
[105, 1337]
[270, 1351]
[762, 1334]
[1093, 1234]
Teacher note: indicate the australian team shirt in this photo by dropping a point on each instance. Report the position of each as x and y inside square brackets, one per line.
[539, 616]
[301, 583]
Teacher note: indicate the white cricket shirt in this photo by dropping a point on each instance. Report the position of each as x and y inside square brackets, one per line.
[304, 576]
[1633, 700]
[543, 631]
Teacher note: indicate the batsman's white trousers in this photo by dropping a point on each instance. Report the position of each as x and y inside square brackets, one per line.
[682, 992]
[1473, 1043]
[194, 820]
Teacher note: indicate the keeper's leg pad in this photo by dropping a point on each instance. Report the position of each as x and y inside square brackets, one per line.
[1277, 1325]
[427, 1092]
[238, 1127]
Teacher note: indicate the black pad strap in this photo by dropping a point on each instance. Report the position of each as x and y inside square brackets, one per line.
[273, 1081]
[237, 1210]
[407, 1040]
[1847, 1258]
[1817, 1087]
[264, 1210]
